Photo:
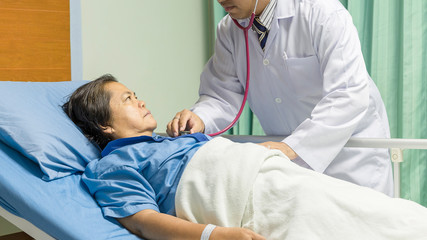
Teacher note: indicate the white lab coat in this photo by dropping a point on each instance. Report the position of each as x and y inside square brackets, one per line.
[310, 84]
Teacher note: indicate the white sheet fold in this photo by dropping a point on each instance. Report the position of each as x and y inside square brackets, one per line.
[246, 185]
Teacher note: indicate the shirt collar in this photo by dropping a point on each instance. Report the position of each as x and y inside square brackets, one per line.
[111, 146]
[267, 15]
[118, 143]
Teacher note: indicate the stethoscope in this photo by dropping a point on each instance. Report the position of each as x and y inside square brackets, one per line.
[248, 70]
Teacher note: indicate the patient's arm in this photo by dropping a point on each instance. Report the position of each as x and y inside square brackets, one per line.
[150, 224]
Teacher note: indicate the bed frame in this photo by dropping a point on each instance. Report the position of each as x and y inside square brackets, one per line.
[24, 225]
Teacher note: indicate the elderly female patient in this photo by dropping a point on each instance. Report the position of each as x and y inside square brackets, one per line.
[140, 174]
[138, 192]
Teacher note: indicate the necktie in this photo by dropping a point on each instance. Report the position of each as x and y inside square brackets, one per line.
[262, 32]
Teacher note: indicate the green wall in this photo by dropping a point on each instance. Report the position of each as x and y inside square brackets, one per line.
[156, 48]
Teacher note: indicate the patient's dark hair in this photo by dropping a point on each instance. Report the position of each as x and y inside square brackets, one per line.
[89, 108]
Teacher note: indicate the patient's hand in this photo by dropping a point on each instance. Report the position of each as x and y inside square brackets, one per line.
[288, 151]
[150, 224]
[234, 233]
[185, 120]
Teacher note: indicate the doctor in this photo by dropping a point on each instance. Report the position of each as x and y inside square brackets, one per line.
[308, 82]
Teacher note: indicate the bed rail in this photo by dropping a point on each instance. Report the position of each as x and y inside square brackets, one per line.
[396, 146]
[25, 225]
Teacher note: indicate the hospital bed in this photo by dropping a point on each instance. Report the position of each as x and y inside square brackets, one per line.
[42, 155]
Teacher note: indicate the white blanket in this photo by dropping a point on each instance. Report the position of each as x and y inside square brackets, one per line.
[246, 185]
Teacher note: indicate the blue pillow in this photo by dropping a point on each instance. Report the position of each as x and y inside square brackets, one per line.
[32, 122]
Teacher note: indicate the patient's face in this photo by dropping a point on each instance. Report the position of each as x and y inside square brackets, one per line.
[129, 116]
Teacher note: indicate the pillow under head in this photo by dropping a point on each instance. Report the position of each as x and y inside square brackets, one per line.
[32, 122]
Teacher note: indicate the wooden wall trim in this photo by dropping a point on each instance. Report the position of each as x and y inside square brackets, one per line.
[35, 40]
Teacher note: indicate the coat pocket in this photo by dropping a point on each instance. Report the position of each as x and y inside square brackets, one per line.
[305, 76]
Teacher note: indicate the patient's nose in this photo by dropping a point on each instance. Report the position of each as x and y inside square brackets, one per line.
[141, 104]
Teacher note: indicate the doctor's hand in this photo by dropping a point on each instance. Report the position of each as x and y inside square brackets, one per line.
[185, 120]
[282, 147]
[235, 233]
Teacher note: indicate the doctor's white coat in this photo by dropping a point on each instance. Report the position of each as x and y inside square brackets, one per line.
[310, 84]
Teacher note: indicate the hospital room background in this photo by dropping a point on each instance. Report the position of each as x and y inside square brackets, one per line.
[159, 48]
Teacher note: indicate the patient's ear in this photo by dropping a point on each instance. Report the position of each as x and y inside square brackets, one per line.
[107, 129]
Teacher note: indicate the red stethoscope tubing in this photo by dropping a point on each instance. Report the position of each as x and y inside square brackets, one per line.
[248, 70]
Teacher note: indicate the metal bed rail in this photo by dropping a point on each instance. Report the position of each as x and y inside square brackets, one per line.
[396, 146]
[25, 225]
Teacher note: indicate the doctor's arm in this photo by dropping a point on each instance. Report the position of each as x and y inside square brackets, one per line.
[345, 91]
[221, 82]
[150, 224]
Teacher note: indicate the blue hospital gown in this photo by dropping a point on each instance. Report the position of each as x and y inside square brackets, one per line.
[140, 173]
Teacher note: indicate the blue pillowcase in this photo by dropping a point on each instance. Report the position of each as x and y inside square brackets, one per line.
[32, 122]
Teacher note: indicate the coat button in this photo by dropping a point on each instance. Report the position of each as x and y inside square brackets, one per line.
[266, 62]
